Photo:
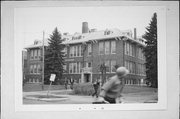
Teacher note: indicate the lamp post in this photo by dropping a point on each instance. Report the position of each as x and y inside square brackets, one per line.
[43, 63]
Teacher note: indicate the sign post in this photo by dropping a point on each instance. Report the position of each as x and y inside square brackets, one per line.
[52, 78]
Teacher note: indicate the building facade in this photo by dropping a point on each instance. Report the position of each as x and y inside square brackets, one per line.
[122, 50]
[86, 51]
[34, 62]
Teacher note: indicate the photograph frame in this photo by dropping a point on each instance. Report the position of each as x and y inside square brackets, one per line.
[19, 108]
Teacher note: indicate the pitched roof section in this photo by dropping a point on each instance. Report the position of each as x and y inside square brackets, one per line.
[38, 43]
[95, 35]
[104, 34]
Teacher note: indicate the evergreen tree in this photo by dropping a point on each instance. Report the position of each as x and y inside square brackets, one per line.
[151, 51]
[54, 57]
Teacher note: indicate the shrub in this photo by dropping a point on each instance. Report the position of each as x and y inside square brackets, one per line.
[83, 89]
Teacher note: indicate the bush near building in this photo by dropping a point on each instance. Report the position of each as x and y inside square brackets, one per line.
[83, 89]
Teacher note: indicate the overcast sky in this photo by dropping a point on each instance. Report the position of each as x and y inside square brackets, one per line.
[30, 22]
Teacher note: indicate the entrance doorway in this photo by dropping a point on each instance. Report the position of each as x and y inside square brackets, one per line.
[87, 77]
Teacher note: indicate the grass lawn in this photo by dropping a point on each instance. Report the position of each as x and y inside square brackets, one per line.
[38, 87]
[138, 89]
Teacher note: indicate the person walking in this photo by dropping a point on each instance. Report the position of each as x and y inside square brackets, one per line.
[71, 83]
[96, 86]
[112, 89]
[66, 83]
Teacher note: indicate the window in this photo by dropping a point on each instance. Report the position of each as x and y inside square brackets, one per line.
[78, 67]
[35, 69]
[130, 49]
[80, 50]
[113, 47]
[107, 47]
[29, 80]
[74, 67]
[89, 50]
[35, 54]
[71, 51]
[78, 53]
[65, 52]
[127, 48]
[39, 53]
[141, 69]
[130, 66]
[37, 80]
[32, 57]
[141, 53]
[133, 50]
[81, 66]
[31, 69]
[101, 48]
[107, 66]
[89, 64]
[33, 80]
[74, 51]
[39, 68]
[113, 63]
[107, 32]
[70, 68]
[64, 68]
[144, 69]
[133, 68]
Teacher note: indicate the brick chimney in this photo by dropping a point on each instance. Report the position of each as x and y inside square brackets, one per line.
[135, 34]
[85, 28]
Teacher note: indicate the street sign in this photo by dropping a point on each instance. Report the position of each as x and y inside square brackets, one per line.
[52, 78]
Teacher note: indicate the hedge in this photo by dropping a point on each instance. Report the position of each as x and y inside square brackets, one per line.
[83, 89]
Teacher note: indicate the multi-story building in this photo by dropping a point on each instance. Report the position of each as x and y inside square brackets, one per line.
[24, 65]
[86, 51]
[34, 62]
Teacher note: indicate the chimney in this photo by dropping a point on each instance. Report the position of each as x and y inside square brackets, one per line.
[135, 34]
[93, 30]
[85, 28]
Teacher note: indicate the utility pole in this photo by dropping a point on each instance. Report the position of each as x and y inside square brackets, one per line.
[43, 62]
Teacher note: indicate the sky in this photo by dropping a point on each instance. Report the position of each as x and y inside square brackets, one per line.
[31, 22]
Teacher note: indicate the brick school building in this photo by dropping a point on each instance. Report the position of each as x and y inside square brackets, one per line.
[85, 53]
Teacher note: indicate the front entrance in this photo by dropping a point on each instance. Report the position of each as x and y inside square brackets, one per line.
[87, 77]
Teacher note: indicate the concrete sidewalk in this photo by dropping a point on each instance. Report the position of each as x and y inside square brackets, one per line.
[142, 97]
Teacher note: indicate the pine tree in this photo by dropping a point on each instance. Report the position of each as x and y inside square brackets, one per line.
[54, 57]
[151, 51]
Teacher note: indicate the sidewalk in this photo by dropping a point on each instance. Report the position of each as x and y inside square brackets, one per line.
[142, 97]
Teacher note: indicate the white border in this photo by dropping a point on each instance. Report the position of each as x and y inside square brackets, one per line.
[162, 83]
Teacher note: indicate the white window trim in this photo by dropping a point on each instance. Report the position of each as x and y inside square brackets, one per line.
[111, 65]
[79, 67]
[105, 50]
[35, 54]
[31, 54]
[76, 67]
[72, 51]
[102, 47]
[89, 49]
[65, 52]
[80, 55]
[114, 47]
[70, 68]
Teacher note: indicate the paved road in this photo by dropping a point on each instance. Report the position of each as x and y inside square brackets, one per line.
[76, 99]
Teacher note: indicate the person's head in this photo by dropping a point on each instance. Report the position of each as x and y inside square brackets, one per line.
[121, 72]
